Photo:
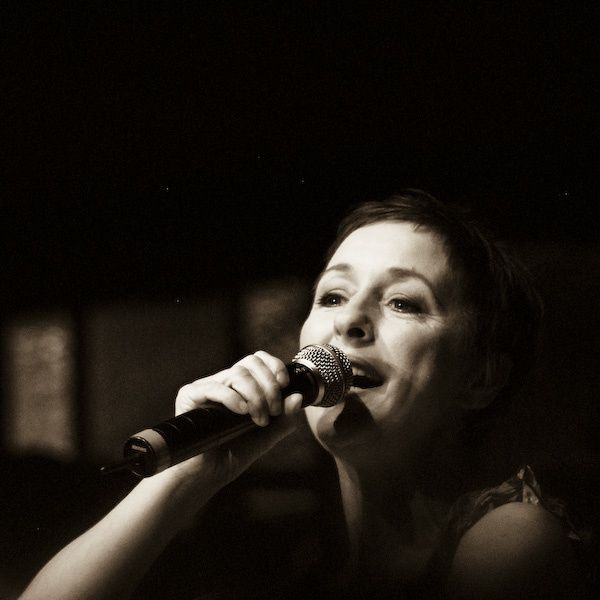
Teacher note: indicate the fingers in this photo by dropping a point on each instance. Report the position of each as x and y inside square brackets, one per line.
[195, 394]
[253, 385]
[275, 365]
[267, 376]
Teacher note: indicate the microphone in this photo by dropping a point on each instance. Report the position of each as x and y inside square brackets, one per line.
[321, 373]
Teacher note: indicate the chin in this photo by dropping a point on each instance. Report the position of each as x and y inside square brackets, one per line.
[343, 426]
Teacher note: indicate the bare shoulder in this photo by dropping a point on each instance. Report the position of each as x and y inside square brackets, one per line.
[516, 551]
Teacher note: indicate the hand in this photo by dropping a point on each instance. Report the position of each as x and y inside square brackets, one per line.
[251, 386]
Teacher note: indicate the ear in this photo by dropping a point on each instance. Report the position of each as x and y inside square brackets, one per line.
[490, 377]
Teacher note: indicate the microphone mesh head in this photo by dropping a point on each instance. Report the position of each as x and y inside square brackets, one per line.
[332, 367]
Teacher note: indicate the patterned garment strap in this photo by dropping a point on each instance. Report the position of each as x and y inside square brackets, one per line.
[522, 487]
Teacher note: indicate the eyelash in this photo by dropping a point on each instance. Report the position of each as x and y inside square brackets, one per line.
[409, 305]
[323, 299]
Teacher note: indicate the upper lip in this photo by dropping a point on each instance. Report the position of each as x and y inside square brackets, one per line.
[364, 374]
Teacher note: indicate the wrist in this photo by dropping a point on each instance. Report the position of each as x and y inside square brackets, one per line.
[178, 495]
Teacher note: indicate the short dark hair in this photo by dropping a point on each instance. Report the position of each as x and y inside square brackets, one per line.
[498, 288]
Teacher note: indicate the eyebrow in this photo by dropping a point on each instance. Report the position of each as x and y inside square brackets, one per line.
[396, 272]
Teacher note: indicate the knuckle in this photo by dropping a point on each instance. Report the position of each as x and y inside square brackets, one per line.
[263, 356]
[250, 360]
[184, 391]
[273, 363]
[238, 368]
[238, 371]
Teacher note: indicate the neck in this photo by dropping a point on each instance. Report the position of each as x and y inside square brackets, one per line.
[385, 522]
[394, 519]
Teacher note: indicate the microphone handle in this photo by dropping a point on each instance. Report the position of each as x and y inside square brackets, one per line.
[175, 440]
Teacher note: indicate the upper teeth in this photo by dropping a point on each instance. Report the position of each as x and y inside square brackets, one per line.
[361, 373]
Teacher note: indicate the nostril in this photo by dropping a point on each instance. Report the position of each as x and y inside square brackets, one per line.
[356, 332]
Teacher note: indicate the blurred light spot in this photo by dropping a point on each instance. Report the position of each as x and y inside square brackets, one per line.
[39, 415]
[271, 316]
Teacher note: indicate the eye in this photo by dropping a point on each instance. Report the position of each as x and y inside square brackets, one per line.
[330, 299]
[405, 305]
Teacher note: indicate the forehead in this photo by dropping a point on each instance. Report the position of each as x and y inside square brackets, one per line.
[394, 244]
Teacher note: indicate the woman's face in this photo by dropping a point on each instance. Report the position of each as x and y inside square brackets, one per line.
[389, 299]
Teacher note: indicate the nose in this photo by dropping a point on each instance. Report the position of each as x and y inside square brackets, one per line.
[353, 324]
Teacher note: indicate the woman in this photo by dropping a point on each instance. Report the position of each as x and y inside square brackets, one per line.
[440, 325]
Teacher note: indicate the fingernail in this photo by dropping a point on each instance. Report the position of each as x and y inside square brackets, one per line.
[243, 406]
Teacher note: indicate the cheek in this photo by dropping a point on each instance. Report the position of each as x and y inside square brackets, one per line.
[312, 331]
[428, 364]
[304, 334]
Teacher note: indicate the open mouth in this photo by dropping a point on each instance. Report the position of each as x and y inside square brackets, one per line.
[364, 377]
[364, 382]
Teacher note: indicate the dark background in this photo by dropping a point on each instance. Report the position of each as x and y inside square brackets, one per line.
[145, 146]
[163, 152]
